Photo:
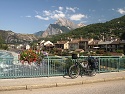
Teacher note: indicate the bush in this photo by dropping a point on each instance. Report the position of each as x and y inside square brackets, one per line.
[100, 52]
[30, 56]
[119, 51]
[107, 54]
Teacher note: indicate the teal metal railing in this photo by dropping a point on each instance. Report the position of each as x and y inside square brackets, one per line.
[54, 66]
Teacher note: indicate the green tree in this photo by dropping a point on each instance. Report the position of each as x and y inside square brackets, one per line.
[122, 36]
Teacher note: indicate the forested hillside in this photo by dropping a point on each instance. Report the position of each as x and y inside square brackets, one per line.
[3, 35]
[112, 28]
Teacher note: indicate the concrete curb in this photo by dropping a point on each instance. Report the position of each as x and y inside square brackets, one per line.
[8, 88]
[69, 83]
[26, 87]
[41, 86]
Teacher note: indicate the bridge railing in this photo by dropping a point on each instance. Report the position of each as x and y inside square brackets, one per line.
[54, 66]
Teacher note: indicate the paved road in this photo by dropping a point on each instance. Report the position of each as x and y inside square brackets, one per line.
[112, 87]
[57, 81]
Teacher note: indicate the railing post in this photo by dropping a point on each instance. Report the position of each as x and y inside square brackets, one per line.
[99, 64]
[119, 63]
[48, 64]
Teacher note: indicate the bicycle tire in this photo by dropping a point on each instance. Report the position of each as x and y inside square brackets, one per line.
[92, 73]
[74, 71]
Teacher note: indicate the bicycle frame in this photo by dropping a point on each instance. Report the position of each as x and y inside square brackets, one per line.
[81, 68]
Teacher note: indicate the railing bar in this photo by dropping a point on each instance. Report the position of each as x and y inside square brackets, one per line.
[51, 67]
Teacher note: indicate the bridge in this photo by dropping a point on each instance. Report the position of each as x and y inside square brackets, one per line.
[54, 66]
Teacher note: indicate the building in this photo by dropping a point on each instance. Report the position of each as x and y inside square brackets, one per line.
[78, 44]
[62, 44]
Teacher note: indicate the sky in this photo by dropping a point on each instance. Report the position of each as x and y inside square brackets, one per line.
[30, 16]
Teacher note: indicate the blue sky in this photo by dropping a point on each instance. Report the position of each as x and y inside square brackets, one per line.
[30, 16]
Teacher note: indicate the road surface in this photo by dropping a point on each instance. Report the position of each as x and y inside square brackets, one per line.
[111, 87]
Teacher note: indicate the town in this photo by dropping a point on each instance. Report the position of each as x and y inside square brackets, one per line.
[81, 46]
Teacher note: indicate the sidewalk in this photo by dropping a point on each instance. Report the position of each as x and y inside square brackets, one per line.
[46, 82]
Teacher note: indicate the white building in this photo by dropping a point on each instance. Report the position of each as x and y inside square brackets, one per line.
[48, 42]
[27, 47]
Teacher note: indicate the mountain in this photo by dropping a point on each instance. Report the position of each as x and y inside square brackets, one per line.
[12, 38]
[81, 25]
[66, 23]
[109, 30]
[38, 34]
[62, 25]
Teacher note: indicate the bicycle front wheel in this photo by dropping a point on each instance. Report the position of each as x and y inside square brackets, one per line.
[74, 71]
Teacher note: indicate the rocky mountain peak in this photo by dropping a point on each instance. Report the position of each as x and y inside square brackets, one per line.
[81, 25]
[65, 22]
[60, 26]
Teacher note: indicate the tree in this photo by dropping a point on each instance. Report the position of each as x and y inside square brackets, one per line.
[123, 36]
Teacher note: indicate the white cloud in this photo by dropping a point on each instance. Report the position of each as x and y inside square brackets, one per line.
[56, 16]
[77, 17]
[121, 11]
[71, 9]
[42, 18]
[52, 14]
[60, 8]
[47, 13]
[61, 12]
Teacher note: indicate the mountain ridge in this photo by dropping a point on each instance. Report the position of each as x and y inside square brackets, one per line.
[114, 27]
[109, 30]
[61, 25]
[11, 37]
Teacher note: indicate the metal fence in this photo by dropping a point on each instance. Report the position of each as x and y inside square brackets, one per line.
[53, 66]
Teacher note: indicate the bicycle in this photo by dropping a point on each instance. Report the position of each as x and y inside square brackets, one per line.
[81, 68]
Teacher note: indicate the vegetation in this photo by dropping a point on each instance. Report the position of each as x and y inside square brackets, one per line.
[114, 28]
[3, 46]
[123, 36]
[31, 56]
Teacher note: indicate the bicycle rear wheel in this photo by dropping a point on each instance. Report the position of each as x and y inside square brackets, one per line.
[74, 71]
[92, 72]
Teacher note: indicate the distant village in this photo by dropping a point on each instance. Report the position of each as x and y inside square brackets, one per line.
[81, 45]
